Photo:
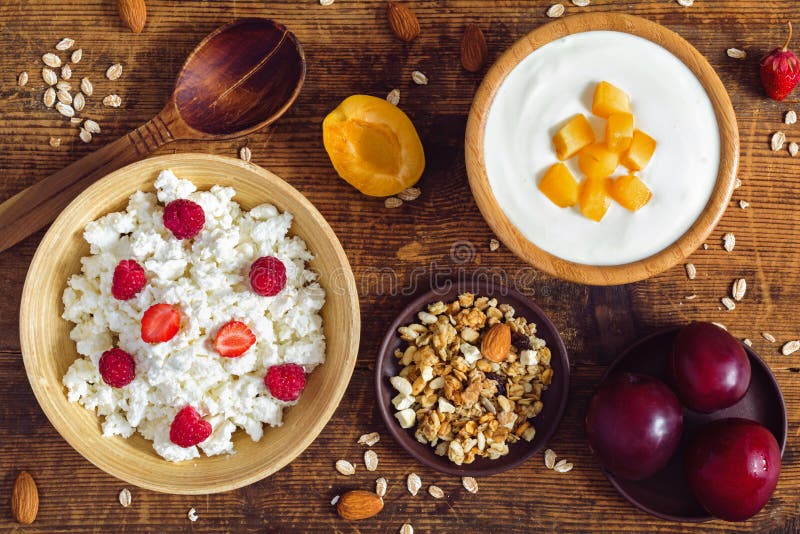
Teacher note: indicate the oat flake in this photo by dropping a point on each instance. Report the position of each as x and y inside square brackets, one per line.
[393, 97]
[49, 97]
[114, 72]
[335, 500]
[22, 79]
[245, 153]
[738, 289]
[790, 117]
[413, 483]
[85, 135]
[686, 3]
[49, 76]
[406, 529]
[63, 86]
[436, 492]
[691, 297]
[65, 44]
[112, 101]
[326, 2]
[64, 97]
[790, 347]
[407, 195]
[744, 204]
[747, 342]
[728, 303]
[75, 120]
[392, 202]
[777, 141]
[125, 497]
[91, 126]
[66, 72]
[737, 183]
[769, 337]
[793, 149]
[55, 142]
[494, 244]
[380, 487]
[555, 11]
[691, 271]
[345, 468]
[79, 102]
[371, 460]
[369, 439]
[563, 466]
[77, 56]
[86, 87]
[736, 53]
[581, 3]
[192, 515]
[419, 78]
[65, 109]
[728, 242]
[51, 60]
[470, 484]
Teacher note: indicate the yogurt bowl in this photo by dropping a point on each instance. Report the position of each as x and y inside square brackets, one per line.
[548, 77]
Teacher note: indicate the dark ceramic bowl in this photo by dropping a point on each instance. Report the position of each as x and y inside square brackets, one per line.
[554, 398]
[666, 494]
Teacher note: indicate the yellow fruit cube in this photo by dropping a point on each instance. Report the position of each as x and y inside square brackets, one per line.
[597, 161]
[641, 150]
[619, 131]
[609, 99]
[572, 137]
[630, 192]
[593, 198]
[560, 186]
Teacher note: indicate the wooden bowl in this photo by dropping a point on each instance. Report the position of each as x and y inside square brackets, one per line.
[48, 351]
[666, 494]
[602, 274]
[554, 398]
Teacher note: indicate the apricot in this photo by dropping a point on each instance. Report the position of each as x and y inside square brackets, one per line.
[560, 186]
[597, 161]
[630, 192]
[619, 131]
[639, 153]
[573, 136]
[609, 99]
[373, 145]
[593, 198]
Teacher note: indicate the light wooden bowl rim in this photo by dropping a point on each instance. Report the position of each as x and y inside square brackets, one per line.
[508, 233]
[131, 460]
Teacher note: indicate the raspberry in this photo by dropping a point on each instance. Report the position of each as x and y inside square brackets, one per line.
[184, 218]
[188, 428]
[285, 382]
[267, 276]
[128, 280]
[117, 368]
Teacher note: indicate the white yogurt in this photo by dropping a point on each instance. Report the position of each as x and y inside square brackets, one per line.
[556, 82]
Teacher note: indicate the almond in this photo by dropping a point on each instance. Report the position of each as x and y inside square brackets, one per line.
[356, 505]
[25, 499]
[474, 52]
[133, 13]
[403, 21]
[496, 343]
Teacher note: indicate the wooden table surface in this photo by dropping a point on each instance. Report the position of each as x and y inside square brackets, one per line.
[350, 50]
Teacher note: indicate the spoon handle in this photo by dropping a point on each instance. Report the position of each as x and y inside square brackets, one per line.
[38, 205]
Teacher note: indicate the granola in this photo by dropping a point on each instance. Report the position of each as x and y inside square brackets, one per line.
[457, 400]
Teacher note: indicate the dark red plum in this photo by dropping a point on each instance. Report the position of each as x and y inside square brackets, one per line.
[634, 425]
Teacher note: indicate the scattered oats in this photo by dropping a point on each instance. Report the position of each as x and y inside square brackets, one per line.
[55, 142]
[728, 242]
[494, 244]
[691, 297]
[720, 325]
[51, 60]
[369, 439]
[407, 195]
[345, 468]
[64, 97]
[736, 53]
[77, 55]
[65, 44]
[22, 79]
[406, 529]
[777, 141]
[556, 10]
[65, 109]
[66, 72]
[728, 303]
[91, 126]
[192, 515]
[413, 483]
[436, 492]
[686, 3]
[49, 97]
[75, 120]
[114, 72]
[581, 3]
[549, 458]
[63, 86]
[49, 76]
[112, 101]
[691, 271]
[738, 289]
[744, 204]
[325, 2]
[371, 460]
[563, 466]
[125, 497]
[790, 347]
[85, 135]
[793, 149]
[419, 78]
[392, 202]
[747, 342]
[769, 337]
[705, 246]
[335, 500]
[393, 97]
[79, 102]
[245, 153]
[380, 487]
[86, 87]
[470, 484]
[790, 117]
[737, 183]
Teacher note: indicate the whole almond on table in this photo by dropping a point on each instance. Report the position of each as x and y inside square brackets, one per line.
[474, 51]
[358, 504]
[496, 343]
[133, 14]
[403, 21]
[25, 499]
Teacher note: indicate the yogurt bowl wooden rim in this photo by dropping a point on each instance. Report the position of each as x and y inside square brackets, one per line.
[508, 233]
[48, 351]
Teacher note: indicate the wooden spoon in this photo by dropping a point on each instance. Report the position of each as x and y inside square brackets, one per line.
[240, 78]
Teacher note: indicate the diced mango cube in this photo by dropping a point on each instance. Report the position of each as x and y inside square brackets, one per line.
[619, 131]
[609, 99]
[593, 198]
[597, 161]
[630, 192]
[572, 137]
[560, 186]
[641, 150]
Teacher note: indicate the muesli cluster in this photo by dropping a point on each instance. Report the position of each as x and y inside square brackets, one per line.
[472, 378]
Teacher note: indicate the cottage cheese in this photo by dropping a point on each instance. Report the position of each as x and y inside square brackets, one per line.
[207, 278]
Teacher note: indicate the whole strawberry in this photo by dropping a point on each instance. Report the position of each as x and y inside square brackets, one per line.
[780, 71]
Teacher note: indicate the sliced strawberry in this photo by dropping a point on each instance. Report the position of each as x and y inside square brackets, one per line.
[160, 323]
[234, 339]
